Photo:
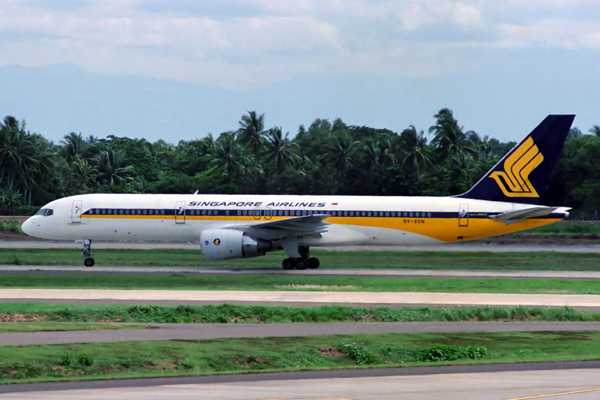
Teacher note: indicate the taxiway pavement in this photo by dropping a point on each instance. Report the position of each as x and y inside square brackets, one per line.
[577, 384]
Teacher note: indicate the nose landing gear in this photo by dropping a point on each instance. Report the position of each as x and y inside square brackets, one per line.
[87, 253]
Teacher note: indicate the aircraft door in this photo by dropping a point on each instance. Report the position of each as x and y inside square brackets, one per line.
[76, 210]
[463, 215]
[268, 213]
[180, 212]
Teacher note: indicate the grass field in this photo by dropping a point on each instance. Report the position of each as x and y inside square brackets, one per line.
[7, 327]
[566, 228]
[329, 259]
[299, 283]
[230, 313]
[205, 357]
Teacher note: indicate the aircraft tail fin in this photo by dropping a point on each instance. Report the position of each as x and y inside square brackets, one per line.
[522, 174]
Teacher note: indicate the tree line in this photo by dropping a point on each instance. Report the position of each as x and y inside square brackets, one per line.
[327, 158]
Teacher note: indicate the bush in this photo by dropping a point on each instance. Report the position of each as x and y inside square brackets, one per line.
[358, 353]
[85, 360]
[446, 352]
[67, 360]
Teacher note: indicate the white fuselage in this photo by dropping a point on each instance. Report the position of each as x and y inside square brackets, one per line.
[352, 219]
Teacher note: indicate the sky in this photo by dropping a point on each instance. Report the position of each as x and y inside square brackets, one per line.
[249, 46]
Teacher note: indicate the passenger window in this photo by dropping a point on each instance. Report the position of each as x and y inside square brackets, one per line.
[345, 213]
[387, 214]
[162, 212]
[139, 212]
[126, 212]
[352, 213]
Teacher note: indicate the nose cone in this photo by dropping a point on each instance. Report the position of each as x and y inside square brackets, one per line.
[27, 227]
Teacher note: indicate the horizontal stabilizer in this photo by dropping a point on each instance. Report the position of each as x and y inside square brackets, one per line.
[511, 217]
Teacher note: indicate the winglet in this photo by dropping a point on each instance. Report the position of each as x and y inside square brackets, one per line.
[522, 174]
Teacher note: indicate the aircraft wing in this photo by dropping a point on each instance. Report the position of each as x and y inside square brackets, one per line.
[306, 225]
[510, 217]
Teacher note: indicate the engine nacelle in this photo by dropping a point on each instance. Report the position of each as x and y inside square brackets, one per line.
[225, 244]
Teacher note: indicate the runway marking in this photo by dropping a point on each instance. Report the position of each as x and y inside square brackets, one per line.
[554, 394]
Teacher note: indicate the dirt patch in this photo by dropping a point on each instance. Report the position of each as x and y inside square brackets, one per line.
[21, 317]
[330, 352]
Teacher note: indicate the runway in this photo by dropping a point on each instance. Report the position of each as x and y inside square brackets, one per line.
[291, 297]
[577, 384]
[469, 247]
[336, 272]
[212, 331]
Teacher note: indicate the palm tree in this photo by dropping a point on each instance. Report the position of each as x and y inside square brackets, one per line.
[341, 154]
[449, 137]
[229, 157]
[595, 130]
[112, 168]
[74, 146]
[281, 152]
[252, 135]
[85, 172]
[417, 152]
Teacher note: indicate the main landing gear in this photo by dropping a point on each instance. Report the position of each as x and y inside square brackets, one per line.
[87, 253]
[302, 262]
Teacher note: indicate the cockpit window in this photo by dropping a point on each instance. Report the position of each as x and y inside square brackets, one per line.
[46, 212]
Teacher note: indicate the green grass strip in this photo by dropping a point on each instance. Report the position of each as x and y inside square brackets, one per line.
[230, 313]
[219, 356]
[299, 283]
[8, 327]
[329, 259]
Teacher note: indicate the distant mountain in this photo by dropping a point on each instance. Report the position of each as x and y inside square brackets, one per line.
[505, 102]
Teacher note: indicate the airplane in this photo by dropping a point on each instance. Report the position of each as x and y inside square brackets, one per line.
[505, 200]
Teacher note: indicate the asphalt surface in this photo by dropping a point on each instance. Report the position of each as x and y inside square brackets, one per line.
[337, 272]
[46, 244]
[212, 331]
[574, 380]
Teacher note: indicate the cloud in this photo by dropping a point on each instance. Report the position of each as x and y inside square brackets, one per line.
[244, 44]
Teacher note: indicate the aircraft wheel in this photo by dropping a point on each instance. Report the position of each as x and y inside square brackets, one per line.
[89, 262]
[288, 263]
[302, 263]
[313, 263]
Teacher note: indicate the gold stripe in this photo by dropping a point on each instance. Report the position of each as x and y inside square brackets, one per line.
[445, 229]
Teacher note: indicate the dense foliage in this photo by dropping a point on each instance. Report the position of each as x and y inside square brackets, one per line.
[325, 158]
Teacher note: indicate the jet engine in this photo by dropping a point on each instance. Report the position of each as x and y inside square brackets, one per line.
[225, 244]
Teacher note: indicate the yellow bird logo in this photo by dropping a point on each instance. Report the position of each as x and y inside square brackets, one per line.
[514, 181]
[217, 242]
